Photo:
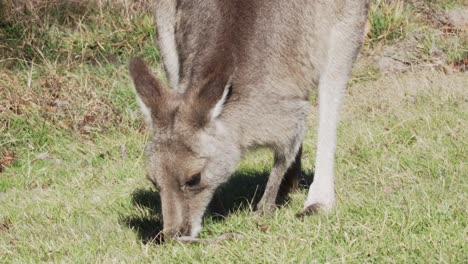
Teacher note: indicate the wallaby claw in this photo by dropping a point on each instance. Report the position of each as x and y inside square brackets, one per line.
[309, 210]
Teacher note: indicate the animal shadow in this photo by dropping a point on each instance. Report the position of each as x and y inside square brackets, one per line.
[242, 192]
[245, 189]
[146, 217]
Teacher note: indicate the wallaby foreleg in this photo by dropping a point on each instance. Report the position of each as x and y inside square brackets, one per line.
[281, 164]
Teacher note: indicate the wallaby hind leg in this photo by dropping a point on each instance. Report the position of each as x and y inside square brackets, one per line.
[332, 85]
[292, 177]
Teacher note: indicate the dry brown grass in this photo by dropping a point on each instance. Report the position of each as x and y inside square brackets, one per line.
[390, 93]
[71, 30]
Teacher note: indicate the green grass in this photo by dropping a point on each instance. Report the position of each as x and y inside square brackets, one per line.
[72, 195]
[389, 20]
[401, 184]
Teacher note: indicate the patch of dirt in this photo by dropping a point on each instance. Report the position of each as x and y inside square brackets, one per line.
[5, 226]
[407, 55]
[461, 65]
[459, 18]
[389, 189]
[6, 158]
[412, 53]
[59, 98]
[434, 16]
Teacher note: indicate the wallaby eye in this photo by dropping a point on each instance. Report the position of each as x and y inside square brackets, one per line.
[194, 180]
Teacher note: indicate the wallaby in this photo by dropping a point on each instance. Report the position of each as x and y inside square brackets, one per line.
[240, 74]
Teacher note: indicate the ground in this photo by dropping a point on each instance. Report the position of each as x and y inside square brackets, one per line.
[72, 166]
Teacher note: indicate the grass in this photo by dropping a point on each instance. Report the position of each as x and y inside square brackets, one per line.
[389, 20]
[76, 31]
[72, 179]
[447, 4]
[454, 47]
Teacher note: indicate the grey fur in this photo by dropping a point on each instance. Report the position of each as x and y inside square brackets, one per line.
[269, 54]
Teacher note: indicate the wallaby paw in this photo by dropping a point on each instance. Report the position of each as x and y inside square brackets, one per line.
[316, 202]
[309, 210]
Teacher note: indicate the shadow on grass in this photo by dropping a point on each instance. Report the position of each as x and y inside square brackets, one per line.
[146, 218]
[242, 192]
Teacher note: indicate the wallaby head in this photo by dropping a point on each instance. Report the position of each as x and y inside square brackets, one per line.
[189, 155]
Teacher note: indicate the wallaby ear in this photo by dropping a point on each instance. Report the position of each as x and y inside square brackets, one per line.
[206, 102]
[218, 108]
[152, 96]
